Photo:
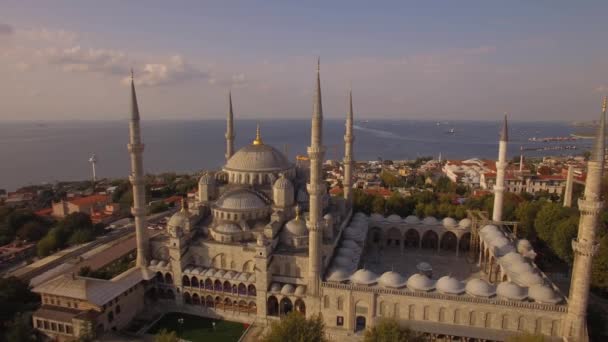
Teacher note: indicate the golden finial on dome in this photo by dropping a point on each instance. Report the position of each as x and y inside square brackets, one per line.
[258, 136]
[297, 212]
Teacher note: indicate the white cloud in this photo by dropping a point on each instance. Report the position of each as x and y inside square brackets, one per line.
[77, 59]
[174, 70]
[48, 36]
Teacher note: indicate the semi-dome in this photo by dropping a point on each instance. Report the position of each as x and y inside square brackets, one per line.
[412, 219]
[206, 179]
[449, 222]
[543, 294]
[429, 220]
[364, 277]
[465, 223]
[512, 258]
[210, 272]
[288, 289]
[488, 228]
[257, 157]
[275, 287]
[338, 274]
[220, 274]
[394, 218]
[229, 275]
[420, 282]
[243, 276]
[480, 288]
[300, 290]
[228, 228]
[521, 267]
[510, 290]
[529, 279]
[283, 183]
[179, 219]
[392, 279]
[241, 199]
[449, 285]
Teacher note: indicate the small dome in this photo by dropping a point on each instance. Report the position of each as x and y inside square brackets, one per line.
[162, 264]
[350, 244]
[206, 179]
[228, 228]
[510, 290]
[364, 277]
[275, 287]
[449, 285]
[153, 262]
[376, 217]
[394, 219]
[179, 219]
[288, 289]
[296, 227]
[346, 252]
[342, 261]
[338, 274]
[197, 271]
[420, 282]
[353, 235]
[328, 216]
[488, 228]
[480, 288]
[529, 279]
[465, 223]
[412, 219]
[229, 275]
[241, 199]
[503, 250]
[220, 274]
[521, 267]
[300, 290]
[243, 276]
[511, 258]
[283, 183]
[429, 221]
[543, 294]
[392, 279]
[210, 272]
[449, 222]
[251, 278]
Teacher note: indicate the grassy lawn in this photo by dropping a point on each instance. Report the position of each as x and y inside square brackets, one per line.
[197, 328]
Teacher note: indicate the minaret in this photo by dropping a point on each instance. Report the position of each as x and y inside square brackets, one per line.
[585, 246]
[521, 160]
[348, 154]
[501, 165]
[136, 150]
[316, 189]
[569, 185]
[229, 129]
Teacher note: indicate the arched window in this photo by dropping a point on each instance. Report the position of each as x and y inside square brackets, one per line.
[251, 290]
[340, 303]
[326, 302]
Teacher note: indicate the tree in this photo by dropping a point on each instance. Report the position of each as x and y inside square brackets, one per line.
[561, 241]
[599, 270]
[158, 207]
[15, 297]
[548, 217]
[525, 213]
[20, 330]
[47, 245]
[296, 327]
[81, 236]
[526, 338]
[166, 336]
[388, 330]
[32, 231]
[378, 205]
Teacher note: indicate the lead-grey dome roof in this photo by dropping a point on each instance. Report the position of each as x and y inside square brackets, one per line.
[257, 158]
[241, 199]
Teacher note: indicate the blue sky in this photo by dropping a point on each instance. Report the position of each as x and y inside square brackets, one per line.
[542, 60]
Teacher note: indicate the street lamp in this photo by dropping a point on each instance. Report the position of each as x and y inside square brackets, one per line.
[180, 321]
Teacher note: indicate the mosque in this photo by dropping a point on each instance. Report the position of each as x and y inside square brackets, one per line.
[263, 238]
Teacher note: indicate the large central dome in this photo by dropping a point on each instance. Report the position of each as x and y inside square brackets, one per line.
[258, 157]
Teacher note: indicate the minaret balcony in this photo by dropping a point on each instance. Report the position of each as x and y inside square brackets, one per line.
[590, 207]
[585, 248]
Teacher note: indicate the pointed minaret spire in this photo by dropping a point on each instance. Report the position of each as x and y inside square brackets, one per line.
[136, 150]
[504, 133]
[348, 153]
[316, 190]
[229, 128]
[586, 245]
[258, 135]
[501, 166]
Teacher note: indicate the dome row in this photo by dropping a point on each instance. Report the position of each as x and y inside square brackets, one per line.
[449, 285]
[447, 222]
[288, 289]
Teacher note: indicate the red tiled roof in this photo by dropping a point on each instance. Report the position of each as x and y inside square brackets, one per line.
[90, 200]
[335, 190]
[378, 191]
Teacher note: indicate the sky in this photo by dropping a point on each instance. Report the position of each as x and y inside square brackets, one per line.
[448, 60]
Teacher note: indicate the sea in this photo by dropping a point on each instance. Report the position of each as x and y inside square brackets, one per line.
[46, 152]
